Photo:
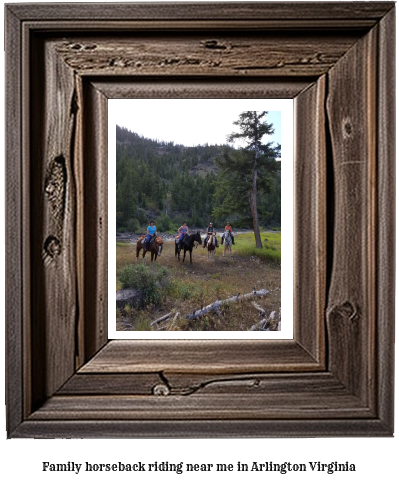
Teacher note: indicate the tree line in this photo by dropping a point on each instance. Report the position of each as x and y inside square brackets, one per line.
[171, 183]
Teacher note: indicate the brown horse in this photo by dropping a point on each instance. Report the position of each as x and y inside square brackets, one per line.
[155, 248]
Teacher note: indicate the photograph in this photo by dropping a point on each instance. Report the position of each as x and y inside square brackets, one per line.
[198, 216]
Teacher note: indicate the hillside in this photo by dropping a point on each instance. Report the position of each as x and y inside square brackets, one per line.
[170, 183]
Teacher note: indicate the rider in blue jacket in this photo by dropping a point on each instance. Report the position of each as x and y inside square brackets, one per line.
[151, 232]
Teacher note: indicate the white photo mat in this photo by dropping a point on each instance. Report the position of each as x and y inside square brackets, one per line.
[121, 112]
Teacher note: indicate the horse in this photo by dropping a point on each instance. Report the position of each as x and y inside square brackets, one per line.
[211, 246]
[227, 242]
[187, 245]
[155, 248]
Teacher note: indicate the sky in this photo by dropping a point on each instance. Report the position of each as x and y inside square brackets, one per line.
[191, 122]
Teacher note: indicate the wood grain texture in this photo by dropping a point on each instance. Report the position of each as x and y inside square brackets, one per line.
[337, 64]
[14, 236]
[385, 244]
[95, 201]
[218, 55]
[53, 214]
[111, 384]
[203, 407]
[177, 87]
[281, 11]
[310, 231]
[351, 309]
[191, 428]
[185, 384]
[200, 356]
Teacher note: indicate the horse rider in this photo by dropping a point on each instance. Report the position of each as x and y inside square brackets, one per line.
[209, 232]
[183, 232]
[151, 233]
[230, 230]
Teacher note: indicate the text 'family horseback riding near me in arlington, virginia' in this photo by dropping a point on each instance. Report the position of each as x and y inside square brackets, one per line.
[200, 200]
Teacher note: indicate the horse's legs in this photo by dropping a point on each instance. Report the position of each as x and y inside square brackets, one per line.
[177, 251]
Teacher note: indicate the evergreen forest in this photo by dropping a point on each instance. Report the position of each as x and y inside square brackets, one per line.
[170, 183]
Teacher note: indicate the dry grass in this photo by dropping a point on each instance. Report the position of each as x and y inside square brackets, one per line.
[203, 282]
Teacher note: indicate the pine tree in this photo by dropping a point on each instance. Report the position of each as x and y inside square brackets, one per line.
[126, 199]
[246, 171]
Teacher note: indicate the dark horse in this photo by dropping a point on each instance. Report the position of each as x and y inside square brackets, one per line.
[155, 248]
[188, 245]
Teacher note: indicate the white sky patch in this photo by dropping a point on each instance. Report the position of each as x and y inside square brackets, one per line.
[192, 122]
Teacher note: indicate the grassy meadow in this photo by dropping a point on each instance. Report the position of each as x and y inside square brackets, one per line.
[189, 287]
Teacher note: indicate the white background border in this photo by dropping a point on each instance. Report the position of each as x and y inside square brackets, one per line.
[376, 459]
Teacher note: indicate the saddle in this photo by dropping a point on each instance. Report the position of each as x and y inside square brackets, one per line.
[158, 240]
[178, 236]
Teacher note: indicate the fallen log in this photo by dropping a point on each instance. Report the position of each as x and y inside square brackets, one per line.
[267, 324]
[173, 321]
[217, 304]
[258, 326]
[162, 318]
[259, 308]
[215, 307]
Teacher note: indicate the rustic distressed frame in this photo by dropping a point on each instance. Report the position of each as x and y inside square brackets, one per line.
[64, 379]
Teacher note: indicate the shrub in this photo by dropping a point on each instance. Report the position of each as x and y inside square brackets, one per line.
[164, 223]
[149, 279]
[183, 290]
[133, 225]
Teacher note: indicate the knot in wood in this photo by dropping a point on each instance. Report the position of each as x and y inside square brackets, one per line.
[347, 128]
[213, 44]
[51, 249]
[50, 188]
[161, 390]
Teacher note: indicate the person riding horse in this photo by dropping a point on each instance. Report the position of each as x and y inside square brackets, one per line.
[230, 230]
[151, 233]
[183, 232]
[209, 232]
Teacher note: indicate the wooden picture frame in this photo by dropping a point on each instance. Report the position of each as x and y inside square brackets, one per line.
[335, 378]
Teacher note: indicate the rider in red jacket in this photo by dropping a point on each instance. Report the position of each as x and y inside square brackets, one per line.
[228, 227]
